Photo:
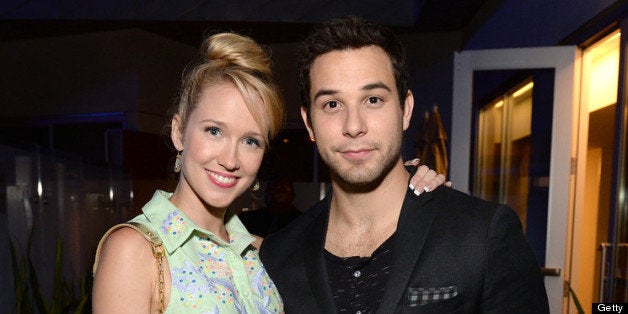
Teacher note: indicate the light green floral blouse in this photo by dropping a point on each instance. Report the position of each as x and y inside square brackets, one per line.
[208, 274]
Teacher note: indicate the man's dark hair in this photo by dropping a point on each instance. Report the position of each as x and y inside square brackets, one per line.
[350, 33]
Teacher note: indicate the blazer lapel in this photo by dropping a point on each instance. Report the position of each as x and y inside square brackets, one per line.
[412, 230]
[314, 259]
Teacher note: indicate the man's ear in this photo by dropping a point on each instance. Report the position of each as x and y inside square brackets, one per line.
[307, 122]
[175, 133]
[408, 106]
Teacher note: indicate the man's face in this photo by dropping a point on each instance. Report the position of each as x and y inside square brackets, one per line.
[355, 114]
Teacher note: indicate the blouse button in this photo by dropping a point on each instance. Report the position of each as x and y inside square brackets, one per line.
[357, 274]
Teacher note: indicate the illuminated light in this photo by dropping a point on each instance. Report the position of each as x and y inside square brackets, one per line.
[322, 191]
[285, 141]
[40, 188]
[615, 36]
[524, 89]
[601, 68]
[499, 104]
[111, 194]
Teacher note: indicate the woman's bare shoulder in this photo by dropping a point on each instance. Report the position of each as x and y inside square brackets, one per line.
[125, 276]
[126, 243]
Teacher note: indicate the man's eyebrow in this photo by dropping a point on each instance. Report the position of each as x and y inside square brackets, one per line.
[367, 87]
[376, 85]
[325, 92]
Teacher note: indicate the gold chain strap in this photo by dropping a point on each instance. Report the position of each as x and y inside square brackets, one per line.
[161, 287]
[160, 270]
[158, 252]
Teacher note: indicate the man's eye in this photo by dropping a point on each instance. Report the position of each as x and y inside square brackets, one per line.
[373, 100]
[332, 104]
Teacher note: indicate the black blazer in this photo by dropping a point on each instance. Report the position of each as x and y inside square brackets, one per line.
[471, 252]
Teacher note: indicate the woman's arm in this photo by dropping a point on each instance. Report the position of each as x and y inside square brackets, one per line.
[126, 278]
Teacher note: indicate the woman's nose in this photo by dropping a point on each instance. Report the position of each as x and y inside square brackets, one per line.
[228, 157]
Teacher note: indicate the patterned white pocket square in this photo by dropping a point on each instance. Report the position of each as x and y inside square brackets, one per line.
[423, 296]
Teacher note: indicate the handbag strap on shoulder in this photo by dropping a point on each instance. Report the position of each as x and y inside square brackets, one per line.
[156, 245]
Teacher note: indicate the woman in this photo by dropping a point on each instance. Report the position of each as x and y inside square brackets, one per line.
[229, 110]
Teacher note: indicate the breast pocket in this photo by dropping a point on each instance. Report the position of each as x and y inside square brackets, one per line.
[434, 300]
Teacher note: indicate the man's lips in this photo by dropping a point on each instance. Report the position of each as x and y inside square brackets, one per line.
[222, 180]
[360, 153]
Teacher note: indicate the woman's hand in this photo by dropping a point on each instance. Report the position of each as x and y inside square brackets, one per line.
[425, 179]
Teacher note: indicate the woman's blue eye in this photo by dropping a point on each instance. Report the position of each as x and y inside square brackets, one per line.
[213, 130]
[251, 142]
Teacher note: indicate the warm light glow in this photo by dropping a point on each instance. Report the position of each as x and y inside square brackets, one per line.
[286, 141]
[111, 194]
[601, 73]
[524, 89]
[613, 37]
[499, 104]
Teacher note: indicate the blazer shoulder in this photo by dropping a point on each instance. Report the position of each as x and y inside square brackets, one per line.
[449, 198]
[291, 237]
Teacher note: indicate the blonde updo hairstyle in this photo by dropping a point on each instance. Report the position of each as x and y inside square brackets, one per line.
[237, 59]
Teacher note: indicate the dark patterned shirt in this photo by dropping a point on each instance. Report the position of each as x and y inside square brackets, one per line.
[358, 283]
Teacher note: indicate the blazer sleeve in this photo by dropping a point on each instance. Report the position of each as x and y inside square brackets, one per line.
[513, 283]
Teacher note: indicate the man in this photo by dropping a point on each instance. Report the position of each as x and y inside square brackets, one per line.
[372, 245]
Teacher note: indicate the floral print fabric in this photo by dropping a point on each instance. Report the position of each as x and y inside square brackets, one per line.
[208, 274]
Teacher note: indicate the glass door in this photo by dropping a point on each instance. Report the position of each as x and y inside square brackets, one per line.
[562, 97]
[494, 156]
[511, 153]
[502, 158]
[599, 250]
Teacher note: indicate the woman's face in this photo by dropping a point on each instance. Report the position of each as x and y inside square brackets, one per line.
[222, 147]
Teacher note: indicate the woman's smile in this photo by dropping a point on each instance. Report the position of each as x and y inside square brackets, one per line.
[222, 180]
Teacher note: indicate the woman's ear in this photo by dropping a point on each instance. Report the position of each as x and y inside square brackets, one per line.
[175, 133]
